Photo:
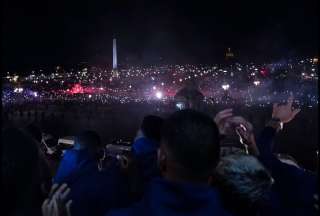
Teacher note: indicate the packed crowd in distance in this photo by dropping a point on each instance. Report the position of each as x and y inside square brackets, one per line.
[246, 84]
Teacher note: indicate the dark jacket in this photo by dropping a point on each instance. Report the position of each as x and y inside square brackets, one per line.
[172, 199]
[293, 189]
[144, 145]
[93, 192]
[145, 153]
[70, 162]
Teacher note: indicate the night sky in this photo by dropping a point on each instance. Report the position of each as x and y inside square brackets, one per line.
[43, 33]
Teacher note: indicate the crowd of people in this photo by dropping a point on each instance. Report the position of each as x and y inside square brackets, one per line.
[185, 164]
[246, 84]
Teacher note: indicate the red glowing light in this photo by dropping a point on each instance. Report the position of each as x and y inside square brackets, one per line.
[264, 72]
[77, 89]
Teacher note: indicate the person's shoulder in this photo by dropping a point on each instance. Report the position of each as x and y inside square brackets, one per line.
[217, 205]
[134, 210]
[70, 152]
[143, 145]
[139, 208]
[118, 212]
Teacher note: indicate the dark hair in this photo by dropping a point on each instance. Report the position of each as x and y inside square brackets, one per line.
[192, 139]
[89, 139]
[243, 182]
[151, 127]
[20, 171]
[34, 131]
[228, 150]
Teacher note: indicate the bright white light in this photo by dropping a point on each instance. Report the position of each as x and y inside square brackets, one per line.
[225, 86]
[256, 83]
[101, 88]
[90, 96]
[179, 106]
[15, 78]
[35, 94]
[159, 95]
[18, 90]
[154, 87]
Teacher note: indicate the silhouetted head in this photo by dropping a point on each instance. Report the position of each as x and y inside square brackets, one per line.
[35, 132]
[151, 127]
[189, 149]
[89, 140]
[21, 178]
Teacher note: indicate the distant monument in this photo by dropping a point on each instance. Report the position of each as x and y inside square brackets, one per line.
[114, 62]
[114, 72]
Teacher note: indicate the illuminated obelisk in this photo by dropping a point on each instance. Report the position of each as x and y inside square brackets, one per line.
[115, 73]
[114, 63]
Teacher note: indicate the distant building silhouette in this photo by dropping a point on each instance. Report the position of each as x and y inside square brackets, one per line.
[229, 55]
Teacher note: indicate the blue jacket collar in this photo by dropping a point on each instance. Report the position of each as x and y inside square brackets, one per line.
[172, 198]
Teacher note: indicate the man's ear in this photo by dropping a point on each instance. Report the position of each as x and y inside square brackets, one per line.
[162, 159]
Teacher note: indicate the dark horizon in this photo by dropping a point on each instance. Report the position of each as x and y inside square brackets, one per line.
[54, 32]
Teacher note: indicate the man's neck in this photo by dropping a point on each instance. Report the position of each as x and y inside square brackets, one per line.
[77, 146]
[174, 177]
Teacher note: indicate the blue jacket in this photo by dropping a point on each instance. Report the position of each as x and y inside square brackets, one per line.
[145, 153]
[174, 199]
[144, 145]
[70, 162]
[93, 192]
[293, 189]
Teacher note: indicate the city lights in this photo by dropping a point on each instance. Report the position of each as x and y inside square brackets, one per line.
[18, 90]
[256, 82]
[225, 86]
[180, 106]
[159, 95]
[164, 82]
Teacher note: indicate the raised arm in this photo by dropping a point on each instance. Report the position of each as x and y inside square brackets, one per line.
[281, 114]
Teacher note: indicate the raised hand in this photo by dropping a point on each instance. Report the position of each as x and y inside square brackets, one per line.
[57, 204]
[285, 112]
[220, 118]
